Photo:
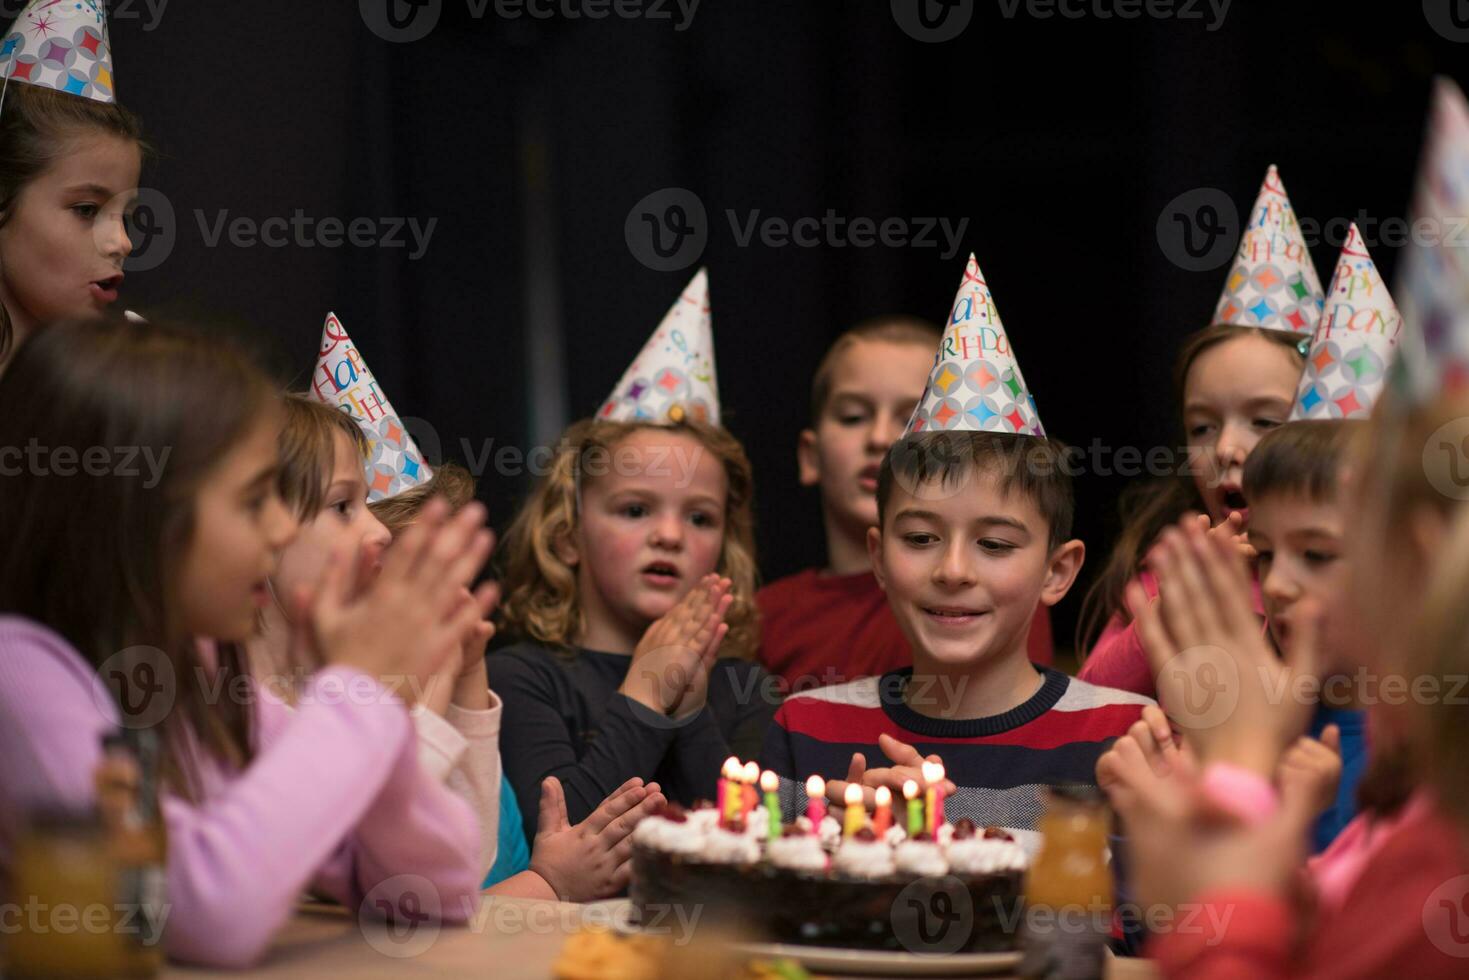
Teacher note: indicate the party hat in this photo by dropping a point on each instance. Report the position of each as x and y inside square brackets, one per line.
[976, 384]
[1272, 283]
[672, 378]
[343, 380]
[1352, 347]
[1433, 283]
[62, 45]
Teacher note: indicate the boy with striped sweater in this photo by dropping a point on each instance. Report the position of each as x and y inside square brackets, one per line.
[973, 534]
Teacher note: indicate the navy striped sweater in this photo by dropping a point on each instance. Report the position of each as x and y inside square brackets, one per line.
[999, 764]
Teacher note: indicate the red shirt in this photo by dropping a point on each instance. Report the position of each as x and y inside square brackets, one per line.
[817, 630]
[1404, 917]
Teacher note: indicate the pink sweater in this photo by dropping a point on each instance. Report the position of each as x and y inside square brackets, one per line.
[334, 801]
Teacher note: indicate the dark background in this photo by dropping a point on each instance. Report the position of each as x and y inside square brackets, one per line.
[1061, 140]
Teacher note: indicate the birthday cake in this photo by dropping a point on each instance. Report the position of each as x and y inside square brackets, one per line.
[920, 886]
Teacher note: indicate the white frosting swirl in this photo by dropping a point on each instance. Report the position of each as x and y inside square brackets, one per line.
[980, 855]
[706, 819]
[864, 859]
[662, 834]
[920, 857]
[895, 835]
[726, 847]
[798, 852]
[830, 833]
[757, 823]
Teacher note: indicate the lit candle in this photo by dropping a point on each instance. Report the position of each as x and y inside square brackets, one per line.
[751, 795]
[915, 808]
[883, 818]
[729, 791]
[856, 812]
[933, 774]
[769, 783]
[816, 802]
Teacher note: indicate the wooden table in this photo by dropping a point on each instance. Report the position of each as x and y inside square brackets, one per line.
[508, 939]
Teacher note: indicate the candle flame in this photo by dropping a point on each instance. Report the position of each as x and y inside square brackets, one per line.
[769, 781]
[815, 787]
[731, 768]
[933, 772]
[910, 790]
[752, 772]
[884, 796]
[853, 795]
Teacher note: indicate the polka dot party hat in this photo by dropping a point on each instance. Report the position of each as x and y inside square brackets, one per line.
[1354, 341]
[1272, 283]
[343, 380]
[62, 45]
[976, 384]
[673, 376]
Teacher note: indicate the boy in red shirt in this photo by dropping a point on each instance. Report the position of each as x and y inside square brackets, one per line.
[824, 626]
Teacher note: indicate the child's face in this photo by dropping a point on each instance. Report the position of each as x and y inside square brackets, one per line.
[963, 570]
[344, 525]
[651, 525]
[241, 526]
[61, 253]
[875, 385]
[1301, 557]
[1234, 393]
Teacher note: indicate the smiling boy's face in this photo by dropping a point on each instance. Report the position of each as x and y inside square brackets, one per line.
[963, 570]
[1301, 560]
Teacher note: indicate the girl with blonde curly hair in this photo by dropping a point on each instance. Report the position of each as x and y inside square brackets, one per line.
[627, 573]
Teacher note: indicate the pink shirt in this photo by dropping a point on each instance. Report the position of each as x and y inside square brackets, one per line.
[334, 801]
[1118, 659]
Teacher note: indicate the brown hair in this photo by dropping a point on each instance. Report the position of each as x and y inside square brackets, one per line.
[36, 125]
[541, 599]
[1149, 507]
[308, 450]
[1304, 457]
[450, 480]
[98, 558]
[1033, 467]
[898, 329]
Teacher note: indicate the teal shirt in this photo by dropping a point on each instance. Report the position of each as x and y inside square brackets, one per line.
[512, 855]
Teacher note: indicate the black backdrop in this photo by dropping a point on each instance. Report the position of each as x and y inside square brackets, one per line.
[1061, 140]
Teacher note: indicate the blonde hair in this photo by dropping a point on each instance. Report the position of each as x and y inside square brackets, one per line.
[450, 480]
[895, 329]
[541, 600]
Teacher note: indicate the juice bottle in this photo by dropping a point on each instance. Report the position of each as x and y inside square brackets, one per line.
[1068, 890]
[127, 797]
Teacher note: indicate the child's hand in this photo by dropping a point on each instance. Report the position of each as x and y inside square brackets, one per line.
[411, 619]
[697, 691]
[1182, 846]
[672, 653]
[1232, 531]
[907, 764]
[1147, 752]
[1312, 769]
[593, 859]
[463, 680]
[1217, 674]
